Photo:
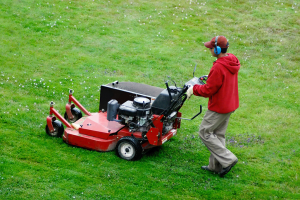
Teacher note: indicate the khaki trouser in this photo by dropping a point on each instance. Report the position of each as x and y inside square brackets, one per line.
[212, 133]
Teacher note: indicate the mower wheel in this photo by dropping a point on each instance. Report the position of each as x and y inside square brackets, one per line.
[58, 129]
[76, 113]
[129, 149]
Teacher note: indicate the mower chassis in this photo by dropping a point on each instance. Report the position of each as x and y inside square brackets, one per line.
[95, 132]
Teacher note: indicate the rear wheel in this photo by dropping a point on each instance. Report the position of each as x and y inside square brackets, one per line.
[58, 129]
[129, 149]
[76, 113]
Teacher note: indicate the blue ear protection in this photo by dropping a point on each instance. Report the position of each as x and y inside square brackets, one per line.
[217, 49]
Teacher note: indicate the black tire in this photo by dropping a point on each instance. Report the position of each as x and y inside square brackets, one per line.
[129, 149]
[76, 113]
[58, 129]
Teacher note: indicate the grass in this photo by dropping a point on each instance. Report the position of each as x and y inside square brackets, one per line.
[48, 47]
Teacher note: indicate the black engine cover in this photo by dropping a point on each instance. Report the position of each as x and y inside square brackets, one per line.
[140, 107]
[128, 109]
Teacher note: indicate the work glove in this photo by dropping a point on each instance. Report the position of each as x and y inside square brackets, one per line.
[189, 92]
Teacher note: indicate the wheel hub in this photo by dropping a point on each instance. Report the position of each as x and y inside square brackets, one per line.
[127, 150]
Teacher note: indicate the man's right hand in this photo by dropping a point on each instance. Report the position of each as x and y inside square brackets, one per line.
[189, 92]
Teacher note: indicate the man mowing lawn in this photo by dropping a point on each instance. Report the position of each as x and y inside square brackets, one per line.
[222, 90]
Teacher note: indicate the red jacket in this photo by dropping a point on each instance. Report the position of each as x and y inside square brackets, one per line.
[222, 85]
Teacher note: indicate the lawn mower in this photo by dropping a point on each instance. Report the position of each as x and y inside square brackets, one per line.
[132, 118]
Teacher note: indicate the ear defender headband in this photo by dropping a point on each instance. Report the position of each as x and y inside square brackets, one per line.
[217, 50]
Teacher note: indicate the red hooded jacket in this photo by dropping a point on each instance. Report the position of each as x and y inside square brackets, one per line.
[222, 85]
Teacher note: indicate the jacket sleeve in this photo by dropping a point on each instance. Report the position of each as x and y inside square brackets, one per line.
[213, 84]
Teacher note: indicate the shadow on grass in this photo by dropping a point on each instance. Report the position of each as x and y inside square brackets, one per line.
[152, 153]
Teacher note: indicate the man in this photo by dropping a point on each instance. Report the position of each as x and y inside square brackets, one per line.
[222, 90]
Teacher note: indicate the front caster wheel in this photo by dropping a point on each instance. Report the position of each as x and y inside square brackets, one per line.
[58, 129]
[129, 149]
[76, 113]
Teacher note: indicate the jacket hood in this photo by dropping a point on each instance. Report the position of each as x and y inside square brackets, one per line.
[230, 62]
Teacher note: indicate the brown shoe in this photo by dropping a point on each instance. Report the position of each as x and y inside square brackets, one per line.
[227, 169]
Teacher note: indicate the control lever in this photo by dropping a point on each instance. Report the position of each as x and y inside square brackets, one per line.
[173, 81]
[169, 91]
[194, 70]
[194, 116]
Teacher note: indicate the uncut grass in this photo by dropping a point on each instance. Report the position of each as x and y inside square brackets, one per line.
[49, 47]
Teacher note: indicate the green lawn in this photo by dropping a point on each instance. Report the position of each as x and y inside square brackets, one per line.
[49, 47]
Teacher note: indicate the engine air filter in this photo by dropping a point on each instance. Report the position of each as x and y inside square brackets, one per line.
[141, 102]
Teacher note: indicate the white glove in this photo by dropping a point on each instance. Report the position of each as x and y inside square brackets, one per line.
[189, 92]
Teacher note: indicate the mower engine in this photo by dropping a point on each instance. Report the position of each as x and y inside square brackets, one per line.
[134, 114]
[137, 115]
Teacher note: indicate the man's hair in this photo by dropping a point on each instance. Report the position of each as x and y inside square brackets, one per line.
[224, 50]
